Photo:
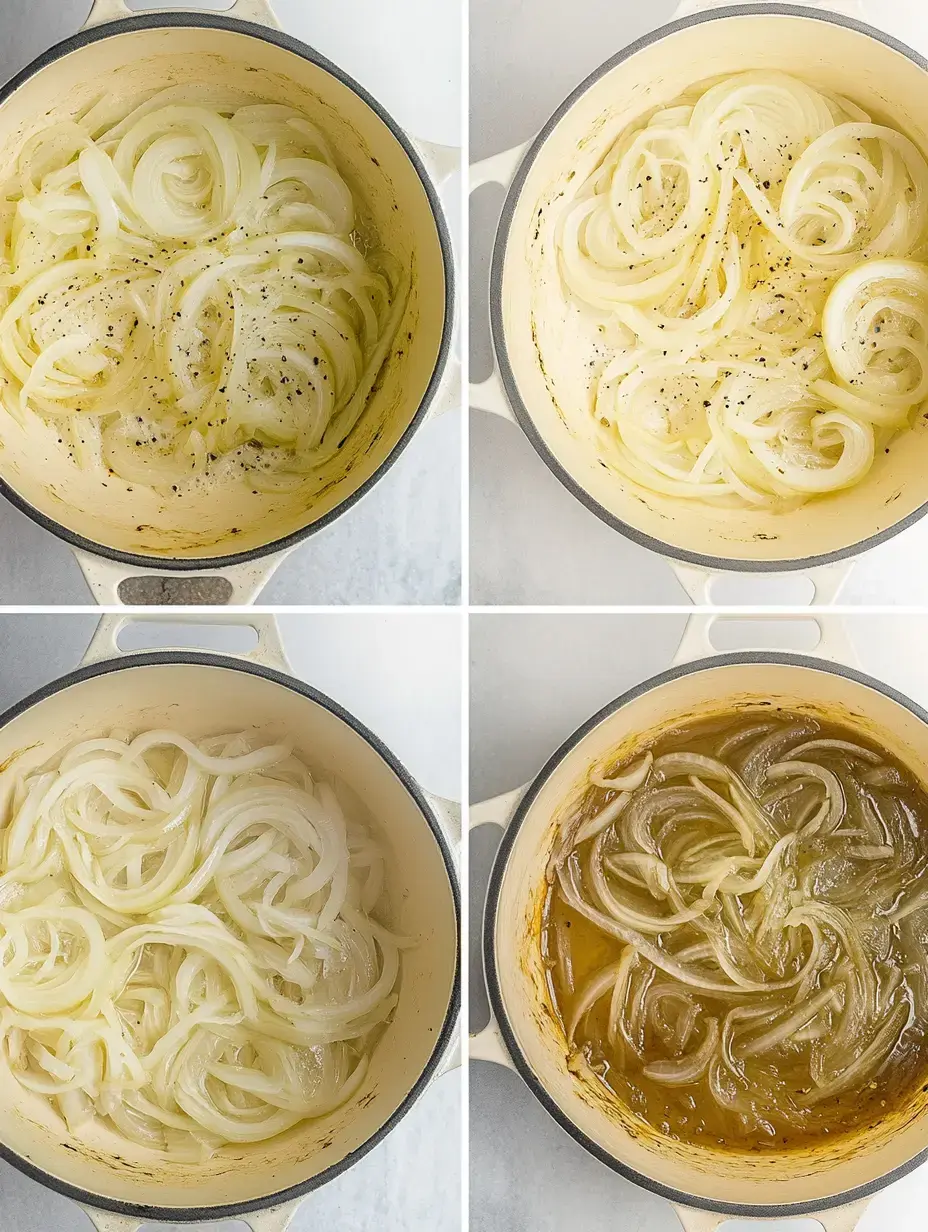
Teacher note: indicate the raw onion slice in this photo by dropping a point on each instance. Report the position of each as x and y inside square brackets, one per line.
[744, 263]
[196, 283]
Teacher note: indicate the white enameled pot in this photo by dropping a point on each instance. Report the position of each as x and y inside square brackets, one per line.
[119, 532]
[830, 1184]
[823, 41]
[122, 1187]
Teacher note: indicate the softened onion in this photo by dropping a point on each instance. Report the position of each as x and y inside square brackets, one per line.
[187, 949]
[750, 258]
[688, 1069]
[188, 282]
[758, 891]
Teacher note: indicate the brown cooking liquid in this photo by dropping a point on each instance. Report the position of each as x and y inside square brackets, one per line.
[860, 1054]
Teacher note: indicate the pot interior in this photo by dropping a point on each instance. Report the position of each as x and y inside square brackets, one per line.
[549, 349]
[783, 1179]
[217, 699]
[395, 210]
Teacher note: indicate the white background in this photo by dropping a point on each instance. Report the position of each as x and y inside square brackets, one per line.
[534, 680]
[402, 543]
[401, 676]
[531, 541]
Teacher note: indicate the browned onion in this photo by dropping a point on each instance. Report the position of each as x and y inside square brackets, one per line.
[758, 883]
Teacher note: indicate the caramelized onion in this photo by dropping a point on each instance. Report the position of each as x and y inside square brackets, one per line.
[687, 1070]
[760, 882]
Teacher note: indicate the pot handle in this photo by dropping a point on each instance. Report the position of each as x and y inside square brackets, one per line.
[269, 651]
[498, 168]
[449, 817]
[245, 582]
[841, 1219]
[448, 397]
[108, 1221]
[258, 11]
[441, 161]
[497, 811]
[277, 1219]
[834, 643]
[488, 1044]
[453, 1058]
[489, 395]
[828, 581]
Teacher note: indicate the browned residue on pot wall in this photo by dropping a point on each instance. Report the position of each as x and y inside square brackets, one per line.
[619, 1124]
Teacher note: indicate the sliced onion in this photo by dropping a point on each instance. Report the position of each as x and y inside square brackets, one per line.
[630, 779]
[870, 1060]
[186, 280]
[688, 1069]
[748, 262]
[812, 946]
[189, 952]
[601, 983]
[788, 1026]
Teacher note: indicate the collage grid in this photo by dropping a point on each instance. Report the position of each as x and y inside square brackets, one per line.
[352, 731]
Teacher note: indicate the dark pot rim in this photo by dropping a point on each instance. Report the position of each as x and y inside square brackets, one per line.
[497, 328]
[216, 21]
[784, 1210]
[195, 1214]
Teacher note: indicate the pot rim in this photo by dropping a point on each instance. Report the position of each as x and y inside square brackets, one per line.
[195, 1214]
[217, 21]
[784, 1210]
[497, 326]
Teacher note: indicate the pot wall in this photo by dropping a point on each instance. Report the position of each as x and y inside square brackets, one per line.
[545, 349]
[227, 521]
[517, 976]
[200, 699]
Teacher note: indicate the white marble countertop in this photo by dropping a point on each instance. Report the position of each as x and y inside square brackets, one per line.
[531, 541]
[534, 680]
[402, 543]
[401, 675]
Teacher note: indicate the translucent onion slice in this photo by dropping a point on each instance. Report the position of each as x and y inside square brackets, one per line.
[688, 1069]
[187, 950]
[813, 944]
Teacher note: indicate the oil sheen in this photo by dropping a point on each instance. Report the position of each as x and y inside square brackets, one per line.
[736, 931]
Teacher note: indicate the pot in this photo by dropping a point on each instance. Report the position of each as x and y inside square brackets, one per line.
[245, 537]
[706, 1188]
[262, 1184]
[827, 48]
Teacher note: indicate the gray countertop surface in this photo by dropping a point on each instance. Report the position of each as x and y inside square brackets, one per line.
[402, 543]
[534, 680]
[401, 675]
[531, 541]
